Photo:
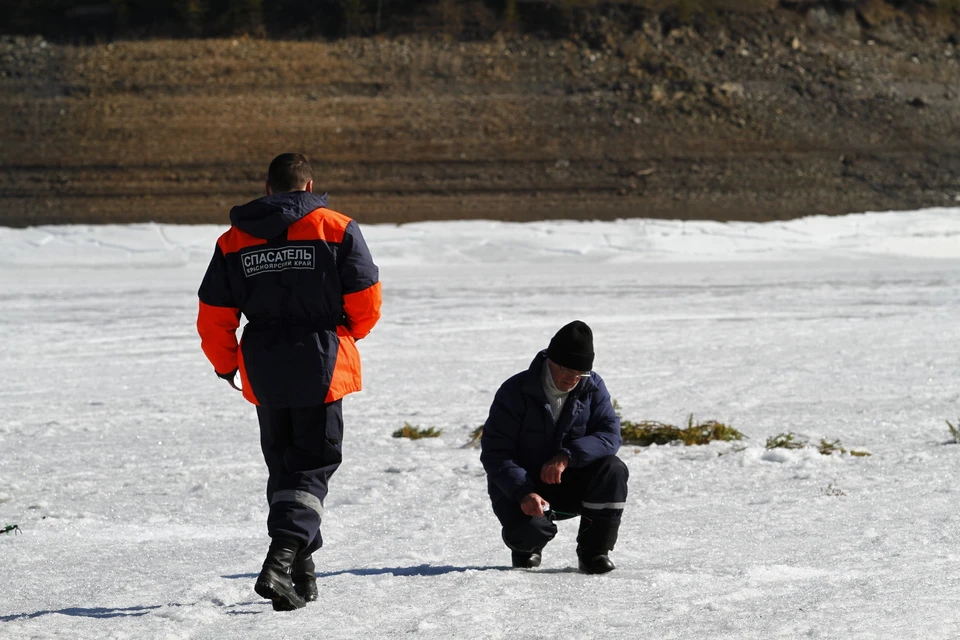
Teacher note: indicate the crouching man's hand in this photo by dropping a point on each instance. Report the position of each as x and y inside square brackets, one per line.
[553, 468]
[533, 505]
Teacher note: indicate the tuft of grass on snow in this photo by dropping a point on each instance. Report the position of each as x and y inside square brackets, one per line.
[616, 408]
[475, 436]
[414, 432]
[828, 447]
[709, 431]
[650, 432]
[954, 432]
[790, 440]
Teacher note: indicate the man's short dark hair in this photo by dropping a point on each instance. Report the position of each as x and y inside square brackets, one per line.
[289, 172]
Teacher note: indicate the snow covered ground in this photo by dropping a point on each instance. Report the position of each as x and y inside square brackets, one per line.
[136, 478]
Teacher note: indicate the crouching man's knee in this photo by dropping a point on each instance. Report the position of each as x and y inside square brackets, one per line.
[614, 468]
[607, 490]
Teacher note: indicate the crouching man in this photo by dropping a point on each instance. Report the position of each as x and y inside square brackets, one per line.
[549, 450]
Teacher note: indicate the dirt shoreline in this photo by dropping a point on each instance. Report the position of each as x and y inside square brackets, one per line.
[755, 117]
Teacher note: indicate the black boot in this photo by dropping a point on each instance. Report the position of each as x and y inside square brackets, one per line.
[595, 562]
[274, 582]
[522, 560]
[304, 580]
[596, 538]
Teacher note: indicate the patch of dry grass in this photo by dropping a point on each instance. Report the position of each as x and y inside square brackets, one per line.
[650, 432]
[414, 432]
[474, 440]
[790, 440]
[954, 432]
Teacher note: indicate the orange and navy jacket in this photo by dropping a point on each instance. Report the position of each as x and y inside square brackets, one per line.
[303, 277]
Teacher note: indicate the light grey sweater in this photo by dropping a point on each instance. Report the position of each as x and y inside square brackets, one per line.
[555, 397]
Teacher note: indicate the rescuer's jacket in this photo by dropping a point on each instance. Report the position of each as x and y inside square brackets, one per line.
[303, 277]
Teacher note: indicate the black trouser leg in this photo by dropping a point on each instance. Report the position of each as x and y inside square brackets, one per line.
[302, 449]
[521, 532]
[596, 492]
[602, 503]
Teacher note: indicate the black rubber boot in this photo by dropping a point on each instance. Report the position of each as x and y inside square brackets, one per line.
[522, 560]
[595, 562]
[274, 582]
[304, 580]
[596, 538]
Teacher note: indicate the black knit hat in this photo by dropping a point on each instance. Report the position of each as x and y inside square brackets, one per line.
[572, 347]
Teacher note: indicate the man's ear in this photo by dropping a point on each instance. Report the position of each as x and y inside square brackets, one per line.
[269, 190]
[309, 187]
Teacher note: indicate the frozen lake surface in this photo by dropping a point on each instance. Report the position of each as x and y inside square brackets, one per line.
[136, 478]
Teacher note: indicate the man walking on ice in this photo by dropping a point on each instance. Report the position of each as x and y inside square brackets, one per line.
[303, 277]
[549, 449]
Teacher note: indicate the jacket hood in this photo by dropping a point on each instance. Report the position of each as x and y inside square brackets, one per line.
[269, 216]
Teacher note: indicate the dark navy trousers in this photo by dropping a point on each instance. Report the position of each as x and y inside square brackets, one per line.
[302, 449]
[597, 493]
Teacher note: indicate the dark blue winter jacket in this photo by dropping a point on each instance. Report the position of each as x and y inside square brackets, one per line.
[519, 435]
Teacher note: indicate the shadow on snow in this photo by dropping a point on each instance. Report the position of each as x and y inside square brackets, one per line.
[425, 570]
[112, 612]
[95, 612]
[419, 570]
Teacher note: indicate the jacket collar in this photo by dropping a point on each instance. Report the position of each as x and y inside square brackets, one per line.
[534, 387]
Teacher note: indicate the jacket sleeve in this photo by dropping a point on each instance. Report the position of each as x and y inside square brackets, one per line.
[218, 317]
[603, 430]
[499, 445]
[360, 281]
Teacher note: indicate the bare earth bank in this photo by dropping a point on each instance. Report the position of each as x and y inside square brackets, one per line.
[755, 117]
